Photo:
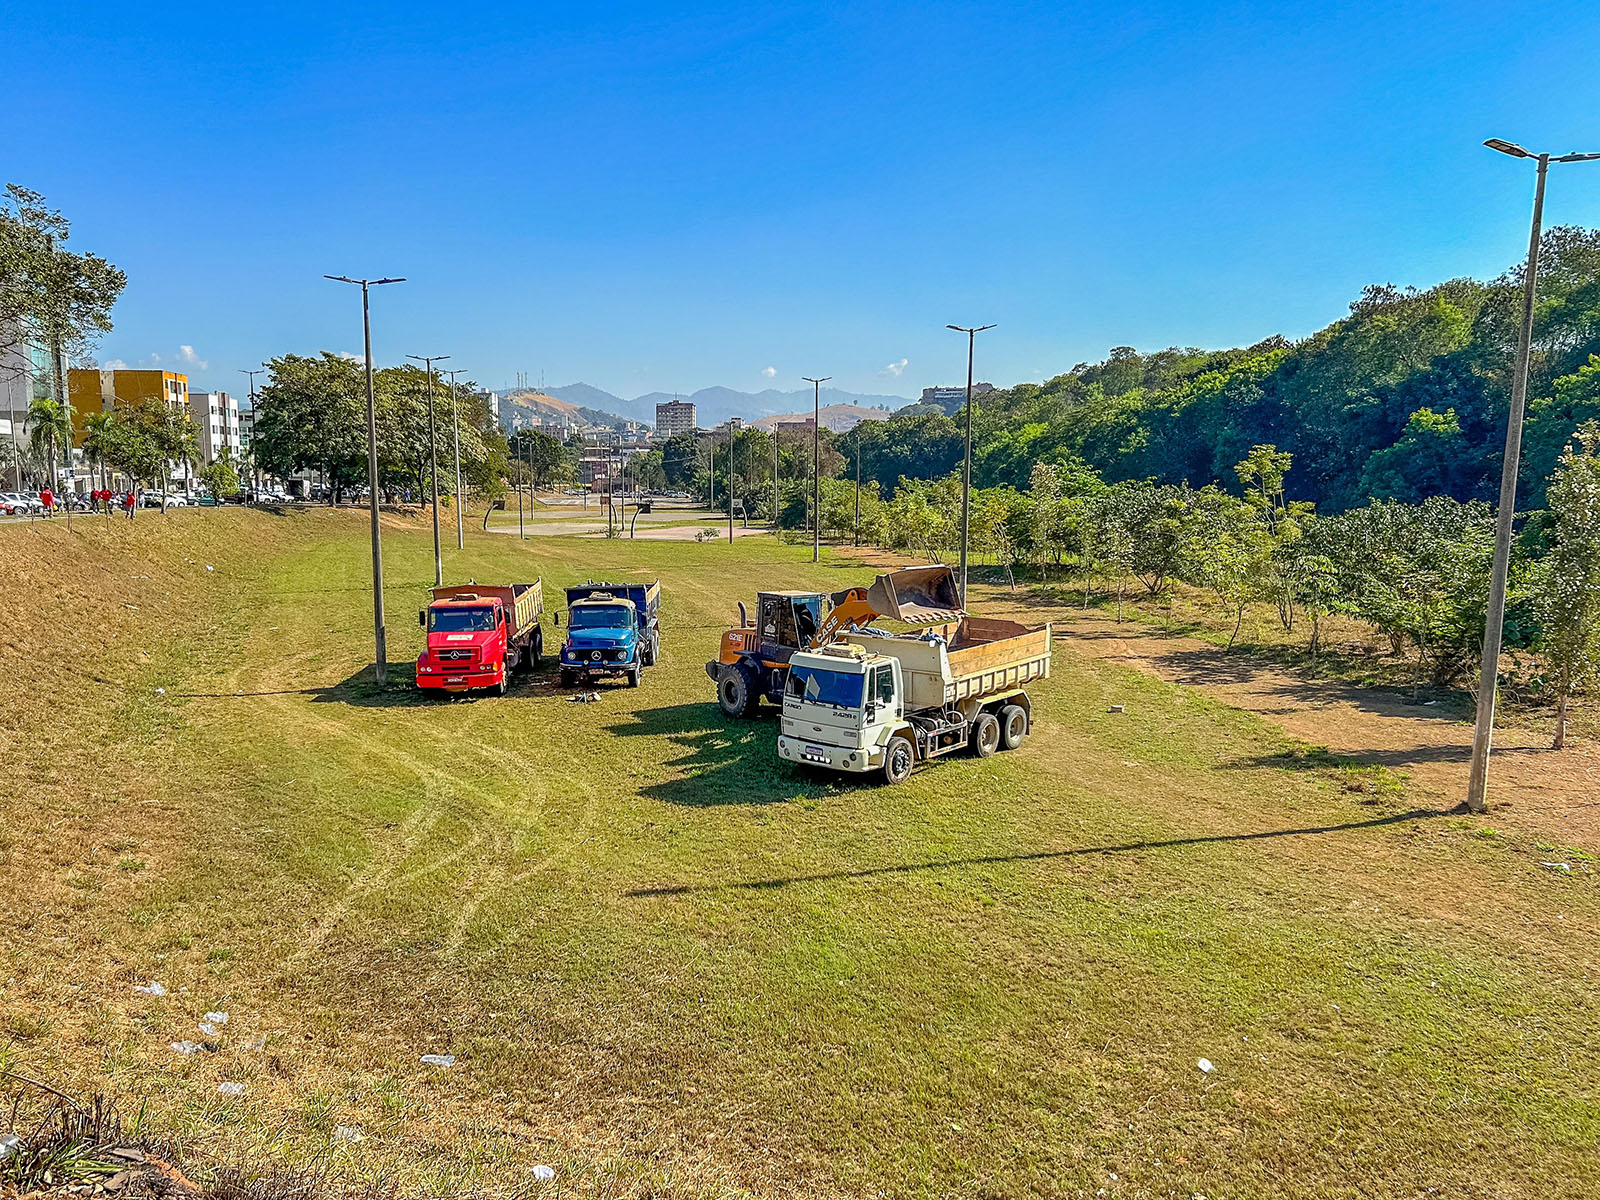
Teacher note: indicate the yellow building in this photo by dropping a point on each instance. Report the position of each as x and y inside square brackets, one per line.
[91, 390]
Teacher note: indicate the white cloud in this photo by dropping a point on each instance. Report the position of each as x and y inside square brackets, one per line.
[116, 364]
[895, 369]
[360, 358]
[189, 358]
[769, 372]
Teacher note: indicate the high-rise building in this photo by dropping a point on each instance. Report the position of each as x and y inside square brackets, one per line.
[675, 417]
[948, 397]
[93, 390]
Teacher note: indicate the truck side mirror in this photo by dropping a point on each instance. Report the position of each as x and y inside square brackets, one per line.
[422, 617]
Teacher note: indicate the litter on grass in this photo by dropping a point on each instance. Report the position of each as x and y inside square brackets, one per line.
[543, 1173]
[231, 1089]
[207, 1028]
[1205, 1066]
[152, 989]
[187, 1047]
[1556, 866]
[10, 1144]
[584, 698]
[439, 1060]
[216, 1018]
[348, 1133]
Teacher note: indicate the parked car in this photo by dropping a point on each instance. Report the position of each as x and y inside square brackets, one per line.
[20, 503]
[164, 500]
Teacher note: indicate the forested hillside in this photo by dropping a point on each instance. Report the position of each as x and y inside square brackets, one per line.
[1404, 398]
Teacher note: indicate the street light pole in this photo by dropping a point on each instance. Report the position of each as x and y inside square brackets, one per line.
[433, 466]
[856, 537]
[261, 370]
[972, 333]
[455, 433]
[730, 481]
[381, 666]
[1505, 515]
[816, 464]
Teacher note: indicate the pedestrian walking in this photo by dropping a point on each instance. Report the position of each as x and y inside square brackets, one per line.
[48, 499]
[129, 502]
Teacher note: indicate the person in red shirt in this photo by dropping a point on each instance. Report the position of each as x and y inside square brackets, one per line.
[128, 502]
[48, 499]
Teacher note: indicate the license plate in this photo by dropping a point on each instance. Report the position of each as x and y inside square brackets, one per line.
[456, 679]
[814, 754]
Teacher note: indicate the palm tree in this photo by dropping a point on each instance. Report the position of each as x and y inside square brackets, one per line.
[50, 425]
[101, 431]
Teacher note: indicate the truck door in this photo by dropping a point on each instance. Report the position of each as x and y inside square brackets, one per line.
[880, 691]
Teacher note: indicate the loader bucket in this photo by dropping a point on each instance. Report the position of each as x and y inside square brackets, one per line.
[916, 595]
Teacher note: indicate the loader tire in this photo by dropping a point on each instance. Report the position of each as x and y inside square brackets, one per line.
[736, 692]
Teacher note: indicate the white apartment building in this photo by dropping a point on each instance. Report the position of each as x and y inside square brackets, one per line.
[216, 414]
[674, 417]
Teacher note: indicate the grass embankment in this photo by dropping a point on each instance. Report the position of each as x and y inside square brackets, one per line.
[669, 966]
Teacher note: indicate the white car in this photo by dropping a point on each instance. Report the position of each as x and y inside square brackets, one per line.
[19, 504]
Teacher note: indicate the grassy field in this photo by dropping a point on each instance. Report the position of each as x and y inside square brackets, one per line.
[669, 966]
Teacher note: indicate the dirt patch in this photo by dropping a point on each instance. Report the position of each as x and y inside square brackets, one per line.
[1530, 785]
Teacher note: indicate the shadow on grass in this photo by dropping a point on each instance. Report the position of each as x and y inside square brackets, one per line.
[727, 761]
[683, 889]
[361, 690]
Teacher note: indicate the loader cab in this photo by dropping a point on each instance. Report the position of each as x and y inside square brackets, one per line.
[788, 619]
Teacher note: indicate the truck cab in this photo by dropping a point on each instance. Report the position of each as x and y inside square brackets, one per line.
[841, 706]
[611, 631]
[466, 643]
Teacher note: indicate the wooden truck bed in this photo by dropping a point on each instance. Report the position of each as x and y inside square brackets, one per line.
[524, 601]
[982, 656]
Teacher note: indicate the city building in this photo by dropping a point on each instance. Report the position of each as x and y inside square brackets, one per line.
[217, 416]
[794, 427]
[675, 417]
[24, 378]
[93, 389]
[945, 397]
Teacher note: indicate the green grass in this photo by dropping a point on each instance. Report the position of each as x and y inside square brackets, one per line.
[669, 965]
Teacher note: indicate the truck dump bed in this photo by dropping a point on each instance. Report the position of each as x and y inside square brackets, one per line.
[523, 601]
[971, 659]
[646, 597]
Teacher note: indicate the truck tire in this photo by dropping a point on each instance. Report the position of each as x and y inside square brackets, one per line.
[1013, 726]
[505, 678]
[736, 692]
[538, 649]
[985, 735]
[633, 675]
[568, 678]
[898, 760]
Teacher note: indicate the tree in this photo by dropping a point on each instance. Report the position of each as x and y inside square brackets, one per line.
[1569, 596]
[181, 441]
[50, 428]
[220, 476]
[312, 415]
[101, 431]
[137, 446]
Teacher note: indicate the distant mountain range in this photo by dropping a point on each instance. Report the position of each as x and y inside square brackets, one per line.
[716, 404]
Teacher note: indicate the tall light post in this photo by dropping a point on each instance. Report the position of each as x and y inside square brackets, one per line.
[1494, 618]
[261, 370]
[774, 477]
[972, 332]
[730, 481]
[455, 433]
[381, 667]
[433, 466]
[816, 464]
[856, 538]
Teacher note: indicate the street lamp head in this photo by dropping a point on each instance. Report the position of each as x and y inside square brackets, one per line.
[363, 282]
[1511, 148]
[969, 329]
[1565, 158]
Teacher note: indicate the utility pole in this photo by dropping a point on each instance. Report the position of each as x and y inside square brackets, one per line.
[381, 666]
[730, 481]
[972, 333]
[816, 464]
[433, 467]
[774, 477]
[255, 479]
[857, 535]
[455, 433]
[1494, 618]
[517, 458]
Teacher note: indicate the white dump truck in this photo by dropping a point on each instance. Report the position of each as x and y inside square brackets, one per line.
[883, 702]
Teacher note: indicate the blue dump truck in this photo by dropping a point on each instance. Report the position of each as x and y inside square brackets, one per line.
[612, 629]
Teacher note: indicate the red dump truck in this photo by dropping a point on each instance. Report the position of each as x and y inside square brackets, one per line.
[479, 633]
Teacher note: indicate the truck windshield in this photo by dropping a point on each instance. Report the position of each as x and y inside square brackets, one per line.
[823, 686]
[460, 620]
[601, 616]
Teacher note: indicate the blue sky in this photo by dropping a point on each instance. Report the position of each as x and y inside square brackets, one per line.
[650, 200]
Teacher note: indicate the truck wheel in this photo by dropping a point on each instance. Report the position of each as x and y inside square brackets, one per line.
[538, 650]
[500, 688]
[736, 692]
[1013, 726]
[897, 761]
[633, 676]
[567, 678]
[985, 735]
